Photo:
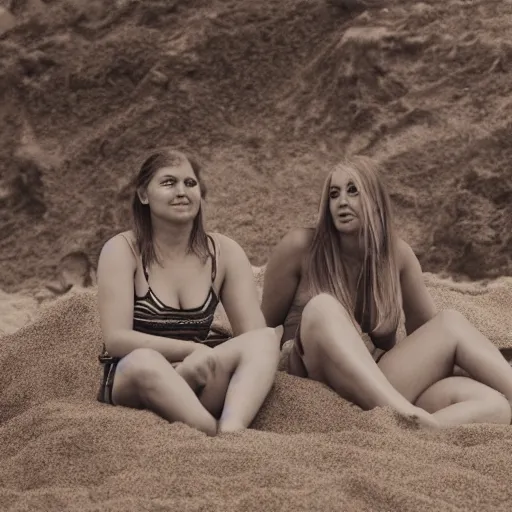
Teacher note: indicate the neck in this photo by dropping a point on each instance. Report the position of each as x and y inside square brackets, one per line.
[171, 240]
[352, 248]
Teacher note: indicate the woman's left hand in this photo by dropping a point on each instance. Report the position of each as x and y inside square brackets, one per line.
[198, 368]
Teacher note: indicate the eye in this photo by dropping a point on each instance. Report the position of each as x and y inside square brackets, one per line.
[333, 194]
[352, 189]
[169, 181]
[190, 182]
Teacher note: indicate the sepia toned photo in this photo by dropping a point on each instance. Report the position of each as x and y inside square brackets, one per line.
[255, 255]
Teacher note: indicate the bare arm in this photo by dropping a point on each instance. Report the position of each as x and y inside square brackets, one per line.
[238, 294]
[418, 304]
[282, 276]
[116, 269]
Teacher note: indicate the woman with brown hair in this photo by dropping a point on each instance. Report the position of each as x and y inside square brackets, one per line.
[159, 286]
[340, 289]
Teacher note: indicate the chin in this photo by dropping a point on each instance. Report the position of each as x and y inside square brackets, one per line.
[348, 230]
[182, 219]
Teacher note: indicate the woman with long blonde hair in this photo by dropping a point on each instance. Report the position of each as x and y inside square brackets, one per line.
[340, 290]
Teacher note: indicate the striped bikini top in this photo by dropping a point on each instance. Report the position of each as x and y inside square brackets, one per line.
[152, 316]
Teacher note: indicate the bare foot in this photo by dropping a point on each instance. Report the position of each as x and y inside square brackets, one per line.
[421, 418]
[225, 426]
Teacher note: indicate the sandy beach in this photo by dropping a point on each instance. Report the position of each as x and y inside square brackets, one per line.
[268, 95]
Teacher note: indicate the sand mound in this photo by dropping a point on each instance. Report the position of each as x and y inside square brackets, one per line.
[308, 449]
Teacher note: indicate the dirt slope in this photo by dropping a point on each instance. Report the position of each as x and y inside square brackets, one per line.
[268, 94]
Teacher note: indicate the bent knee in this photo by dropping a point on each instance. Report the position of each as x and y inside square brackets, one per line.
[451, 317]
[497, 407]
[321, 307]
[260, 343]
[139, 365]
[320, 313]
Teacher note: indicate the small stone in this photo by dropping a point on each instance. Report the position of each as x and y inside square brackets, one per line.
[158, 78]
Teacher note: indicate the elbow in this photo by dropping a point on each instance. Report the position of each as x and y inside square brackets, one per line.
[114, 345]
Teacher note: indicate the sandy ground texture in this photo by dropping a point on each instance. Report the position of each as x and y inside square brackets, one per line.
[307, 449]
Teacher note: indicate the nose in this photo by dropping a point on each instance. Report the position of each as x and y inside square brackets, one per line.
[343, 198]
[180, 188]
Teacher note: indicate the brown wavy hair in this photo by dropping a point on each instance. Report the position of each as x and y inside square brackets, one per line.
[141, 214]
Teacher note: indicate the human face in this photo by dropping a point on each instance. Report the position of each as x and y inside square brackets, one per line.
[345, 203]
[173, 193]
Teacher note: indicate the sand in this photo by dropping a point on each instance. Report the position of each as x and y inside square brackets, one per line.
[269, 95]
[307, 449]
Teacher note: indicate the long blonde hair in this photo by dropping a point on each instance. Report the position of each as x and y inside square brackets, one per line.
[379, 276]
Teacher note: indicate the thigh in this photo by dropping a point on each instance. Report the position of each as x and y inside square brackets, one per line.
[454, 390]
[257, 344]
[305, 364]
[296, 365]
[124, 387]
[420, 360]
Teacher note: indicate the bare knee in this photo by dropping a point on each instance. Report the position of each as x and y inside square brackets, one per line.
[497, 404]
[451, 319]
[322, 316]
[497, 407]
[263, 343]
[269, 337]
[493, 407]
[450, 324]
[320, 309]
[139, 367]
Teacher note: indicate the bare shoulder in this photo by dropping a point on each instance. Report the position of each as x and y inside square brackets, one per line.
[293, 247]
[405, 254]
[226, 246]
[230, 255]
[298, 239]
[129, 236]
[122, 245]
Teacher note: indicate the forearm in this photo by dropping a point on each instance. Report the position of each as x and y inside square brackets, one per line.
[252, 323]
[121, 343]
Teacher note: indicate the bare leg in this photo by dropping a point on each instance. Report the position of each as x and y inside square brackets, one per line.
[239, 374]
[430, 353]
[208, 375]
[334, 353]
[253, 377]
[146, 380]
[461, 400]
